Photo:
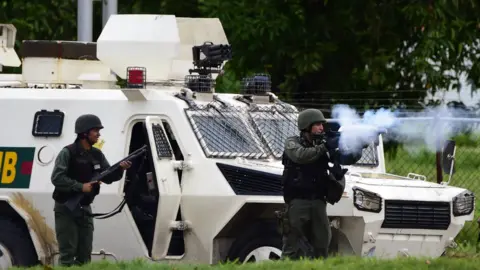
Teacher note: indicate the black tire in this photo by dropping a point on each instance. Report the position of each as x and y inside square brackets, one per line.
[18, 243]
[263, 234]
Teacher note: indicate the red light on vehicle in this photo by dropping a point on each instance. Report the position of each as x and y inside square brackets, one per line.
[136, 77]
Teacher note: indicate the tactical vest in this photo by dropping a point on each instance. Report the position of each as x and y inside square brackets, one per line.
[304, 181]
[83, 165]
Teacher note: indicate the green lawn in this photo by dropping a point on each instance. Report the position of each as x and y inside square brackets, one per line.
[339, 263]
[467, 172]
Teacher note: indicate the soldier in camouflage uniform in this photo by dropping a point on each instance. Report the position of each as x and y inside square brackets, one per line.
[305, 224]
[75, 166]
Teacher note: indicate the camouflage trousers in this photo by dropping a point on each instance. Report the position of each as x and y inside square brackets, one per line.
[74, 233]
[305, 229]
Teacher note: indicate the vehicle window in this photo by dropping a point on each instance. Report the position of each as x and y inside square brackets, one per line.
[225, 135]
[257, 132]
[275, 128]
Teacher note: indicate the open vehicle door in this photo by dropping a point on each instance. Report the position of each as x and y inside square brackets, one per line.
[168, 186]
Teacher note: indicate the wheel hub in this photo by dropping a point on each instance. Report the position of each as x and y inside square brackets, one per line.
[264, 253]
[6, 258]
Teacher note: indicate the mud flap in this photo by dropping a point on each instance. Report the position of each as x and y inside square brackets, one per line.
[168, 186]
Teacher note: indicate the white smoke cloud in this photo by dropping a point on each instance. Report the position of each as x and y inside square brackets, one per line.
[422, 128]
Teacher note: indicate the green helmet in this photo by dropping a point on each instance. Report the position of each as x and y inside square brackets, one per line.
[86, 122]
[308, 117]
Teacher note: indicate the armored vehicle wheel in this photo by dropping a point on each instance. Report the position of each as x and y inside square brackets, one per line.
[16, 248]
[258, 243]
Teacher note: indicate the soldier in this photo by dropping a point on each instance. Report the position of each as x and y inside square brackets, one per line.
[75, 166]
[306, 227]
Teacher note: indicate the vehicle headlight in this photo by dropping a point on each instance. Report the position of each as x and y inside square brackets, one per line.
[365, 200]
[463, 203]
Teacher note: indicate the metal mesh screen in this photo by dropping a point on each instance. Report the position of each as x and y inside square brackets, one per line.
[369, 156]
[258, 84]
[225, 135]
[161, 142]
[199, 83]
[255, 131]
[274, 127]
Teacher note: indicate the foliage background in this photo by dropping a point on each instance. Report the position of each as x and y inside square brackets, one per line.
[380, 53]
[367, 54]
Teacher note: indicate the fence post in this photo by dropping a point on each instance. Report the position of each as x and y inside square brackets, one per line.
[438, 147]
[439, 167]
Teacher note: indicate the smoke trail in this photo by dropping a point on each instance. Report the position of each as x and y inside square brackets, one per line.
[356, 131]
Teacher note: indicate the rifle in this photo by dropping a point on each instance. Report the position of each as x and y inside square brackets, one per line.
[335, 182]
[74, 202]
[332, 136]
[331, 139]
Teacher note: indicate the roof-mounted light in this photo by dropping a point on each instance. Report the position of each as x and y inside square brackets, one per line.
[258, 85]
[200, 83]
[136, 77]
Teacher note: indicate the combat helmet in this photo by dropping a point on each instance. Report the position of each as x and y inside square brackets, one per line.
[308, 117]
[86, 122]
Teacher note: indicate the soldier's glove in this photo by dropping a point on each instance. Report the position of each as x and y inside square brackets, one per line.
[332, 147]
[332, 143]
[318, 138]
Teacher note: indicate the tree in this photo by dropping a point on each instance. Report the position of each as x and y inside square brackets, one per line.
[41, 20]
[367, 50]
[364, 53]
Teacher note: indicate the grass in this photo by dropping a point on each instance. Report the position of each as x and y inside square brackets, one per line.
[337, 263]
[418, 160]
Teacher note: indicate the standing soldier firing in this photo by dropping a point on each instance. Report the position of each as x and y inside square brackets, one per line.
[306, 227]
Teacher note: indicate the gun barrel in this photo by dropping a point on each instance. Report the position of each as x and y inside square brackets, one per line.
[75, 201]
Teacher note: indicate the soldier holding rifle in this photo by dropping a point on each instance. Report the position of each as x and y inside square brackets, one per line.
[75, 166]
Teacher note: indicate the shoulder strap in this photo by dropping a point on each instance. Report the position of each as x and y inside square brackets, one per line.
[71, 148]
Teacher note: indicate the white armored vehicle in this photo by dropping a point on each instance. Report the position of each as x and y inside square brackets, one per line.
[211, 184]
